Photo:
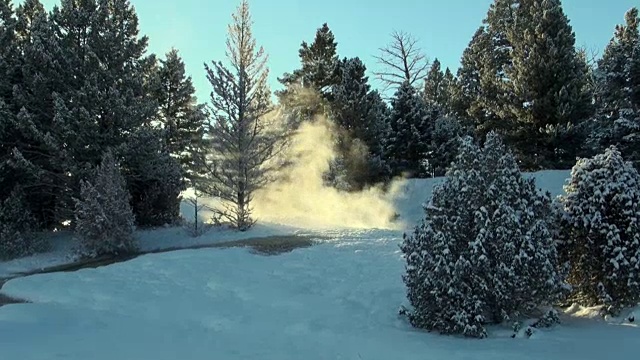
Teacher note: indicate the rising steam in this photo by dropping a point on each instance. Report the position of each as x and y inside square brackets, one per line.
[302, 199]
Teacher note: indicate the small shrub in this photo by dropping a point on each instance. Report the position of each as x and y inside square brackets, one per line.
[104, 219]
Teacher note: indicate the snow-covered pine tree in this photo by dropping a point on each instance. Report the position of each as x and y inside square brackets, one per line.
[8, 65]
[182, 118]
[18, 228]
[41, 77]
[484, 252]
[243, 140]
[410, 125]
[104, 218]
[601, 230]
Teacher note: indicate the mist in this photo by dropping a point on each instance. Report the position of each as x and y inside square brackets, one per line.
[300, 198]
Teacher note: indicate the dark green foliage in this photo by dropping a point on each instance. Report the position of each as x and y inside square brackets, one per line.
[617, 121]
[182, 118]
[318, 62]
[18, 228]
[523, 77]
[438, 89]
[411, 126]
[154, 179]
[361, 116]
[445, 140]
[307, 89]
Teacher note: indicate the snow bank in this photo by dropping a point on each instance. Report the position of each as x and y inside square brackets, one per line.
[412, 194]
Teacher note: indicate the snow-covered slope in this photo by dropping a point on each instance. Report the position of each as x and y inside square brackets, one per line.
[413, 193]
[338, 300]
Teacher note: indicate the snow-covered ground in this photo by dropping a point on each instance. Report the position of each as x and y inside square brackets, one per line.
[336, 300]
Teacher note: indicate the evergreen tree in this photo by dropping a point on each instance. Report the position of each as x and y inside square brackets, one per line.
[18, 227]
[103, 97]
[617, 121]
[435, 88]
[8, 65]
[41, 77]
[485, 251]
[411, 125]
[318, 62]
[182, 118]
[307, 89]
[447, 133]
[104, 219]
[522, 76]
[543, 49]
[475, 88]
[154, 178]
[601, 231]
[361, 115]
[243, 140]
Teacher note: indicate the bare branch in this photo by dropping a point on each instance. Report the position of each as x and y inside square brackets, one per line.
[402, 60]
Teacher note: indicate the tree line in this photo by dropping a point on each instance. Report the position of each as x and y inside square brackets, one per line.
[79, 86]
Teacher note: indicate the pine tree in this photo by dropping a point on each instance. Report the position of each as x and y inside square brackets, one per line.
[476, 88]
[361, 115]
[601, 231]
[104, 219]
[436, 88]
[522, 76]
[410, 126]
[617, 121]
[445, 140]
[544, 49]
[307, 89]
[318, 62]
[18, 227]
[8, 64]
[182, 118]
[104, 98]
[243, 140]
[154, 179]
[41, 77]
[485, 251]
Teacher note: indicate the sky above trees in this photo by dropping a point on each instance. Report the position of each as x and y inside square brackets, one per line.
[444, 28]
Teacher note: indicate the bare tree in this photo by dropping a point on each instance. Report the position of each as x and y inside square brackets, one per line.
[242, 140]
[401, 60]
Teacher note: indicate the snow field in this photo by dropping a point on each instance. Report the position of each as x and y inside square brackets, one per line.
[337, 300]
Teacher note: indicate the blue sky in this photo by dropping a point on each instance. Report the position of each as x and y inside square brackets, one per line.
[197, 28]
